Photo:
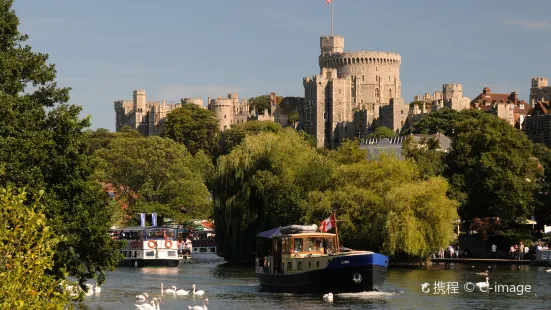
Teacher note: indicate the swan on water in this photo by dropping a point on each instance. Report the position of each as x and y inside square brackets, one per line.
[142, 297]
[548, 270]
[483, 286]
[328, 297]
[171, 290]
[201, 292]
[203, 307]
[154, 305]
[181, 292]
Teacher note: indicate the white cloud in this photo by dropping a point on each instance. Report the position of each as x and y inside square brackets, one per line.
[177, 91]
[530, 24]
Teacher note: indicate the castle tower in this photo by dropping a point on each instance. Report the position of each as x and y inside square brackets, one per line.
[452, 91]
[139, 100]
[331, 45]
[540, 89]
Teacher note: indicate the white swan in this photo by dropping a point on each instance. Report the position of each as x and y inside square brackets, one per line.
[142, 297]
[200, 293]
[548, 270]
[483, 286]
[204, 307]
[154, 305]
[181, 292]
[328, 297]
[171, 290]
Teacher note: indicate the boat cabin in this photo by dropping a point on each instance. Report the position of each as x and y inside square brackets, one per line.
[145, 242]
[295, 252]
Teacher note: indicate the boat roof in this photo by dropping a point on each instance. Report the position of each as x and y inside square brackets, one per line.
[309, 234]
[138, 228]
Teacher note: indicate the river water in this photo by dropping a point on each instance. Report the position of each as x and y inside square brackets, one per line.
[235, 287]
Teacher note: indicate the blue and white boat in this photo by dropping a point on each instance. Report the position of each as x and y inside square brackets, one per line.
[300, 260]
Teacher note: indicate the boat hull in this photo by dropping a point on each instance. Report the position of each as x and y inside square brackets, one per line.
[345, 274]
[149, 263]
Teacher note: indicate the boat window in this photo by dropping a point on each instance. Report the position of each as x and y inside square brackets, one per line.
[299, 266]
[298, 244]
[203, 250]
[212, 250]
[171, 253]
[135, 253]
[318, 264]
[313, 245]
[289, 266]
[309, 264]
[150, 253]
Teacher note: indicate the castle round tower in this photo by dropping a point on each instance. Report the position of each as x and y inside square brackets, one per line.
[452, 91]
[375, 75]
[223, 110]
[195, 101]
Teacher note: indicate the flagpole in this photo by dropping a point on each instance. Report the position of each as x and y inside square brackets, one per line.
[336, 232]
[331, 18]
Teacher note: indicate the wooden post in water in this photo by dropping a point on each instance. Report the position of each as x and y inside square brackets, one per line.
[336, 232]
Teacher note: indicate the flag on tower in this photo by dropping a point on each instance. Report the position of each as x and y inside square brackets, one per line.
[328, 223]
[328, 1]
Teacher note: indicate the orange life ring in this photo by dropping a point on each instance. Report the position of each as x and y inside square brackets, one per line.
[150, 244]
[168, 244]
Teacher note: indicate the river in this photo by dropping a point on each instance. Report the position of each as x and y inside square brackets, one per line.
[235, 287]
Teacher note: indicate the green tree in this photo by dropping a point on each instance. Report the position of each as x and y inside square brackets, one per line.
[491, 162]
[386, 207]
[193, 126]
[28, 246]
[348, 152]
[444, 120]
[157, 175]
[430, 160]
[542, 210]
[42, 146]
[382, 132]
[261, 184]
[260, 103]
[235, 135]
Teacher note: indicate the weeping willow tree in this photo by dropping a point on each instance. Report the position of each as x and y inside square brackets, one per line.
[263, 183]
[387, 207]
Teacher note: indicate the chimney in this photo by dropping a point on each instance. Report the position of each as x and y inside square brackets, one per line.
[514, 97]
[486, 91]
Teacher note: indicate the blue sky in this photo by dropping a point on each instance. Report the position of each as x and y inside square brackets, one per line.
[104, 49]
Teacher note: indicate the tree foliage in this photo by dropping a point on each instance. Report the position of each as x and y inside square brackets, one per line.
[193, 126]
[278, 179]
[382, 132]
[430, 160]
[261, 103]
[157, 175]
[491, 162]
[42, 146]
[28, 246]
[261, 184]
[235, 135]
[385, 206]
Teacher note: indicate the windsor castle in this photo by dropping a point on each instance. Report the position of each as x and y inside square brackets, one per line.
[354, 93]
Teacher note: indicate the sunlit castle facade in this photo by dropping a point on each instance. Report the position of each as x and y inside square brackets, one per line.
[344, 99]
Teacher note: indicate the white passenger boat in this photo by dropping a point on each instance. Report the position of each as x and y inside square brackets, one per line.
[203, 247]
[148, 246]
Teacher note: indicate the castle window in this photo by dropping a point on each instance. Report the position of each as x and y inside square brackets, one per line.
[377, 78]
[389, 93]
[224, 116]
[377, 93]
[389, 77]
[363, 78]
[401, 111]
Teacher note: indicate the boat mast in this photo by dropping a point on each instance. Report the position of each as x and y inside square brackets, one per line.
[336, 231]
